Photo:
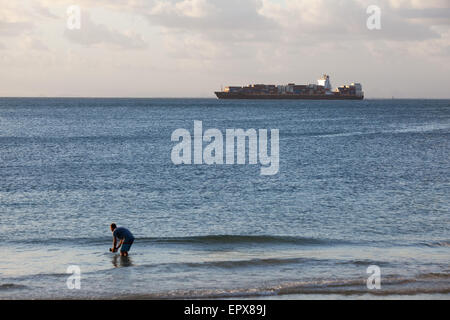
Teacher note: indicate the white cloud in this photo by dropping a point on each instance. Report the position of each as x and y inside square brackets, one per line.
[14, 28]
[15, 19]
[342, 20]
[203, 43]
[91, 33]
[419, 4]
[188, 8]
[31, 43]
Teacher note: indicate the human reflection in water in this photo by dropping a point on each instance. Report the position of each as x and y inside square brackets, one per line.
[121, 261]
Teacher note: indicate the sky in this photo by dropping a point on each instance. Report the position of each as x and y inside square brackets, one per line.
[191, 48]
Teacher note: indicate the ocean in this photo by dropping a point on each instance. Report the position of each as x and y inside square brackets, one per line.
[361, 184]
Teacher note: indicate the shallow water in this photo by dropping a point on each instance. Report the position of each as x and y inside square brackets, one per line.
[361, 183]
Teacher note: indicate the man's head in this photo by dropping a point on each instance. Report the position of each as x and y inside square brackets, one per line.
[113, 227]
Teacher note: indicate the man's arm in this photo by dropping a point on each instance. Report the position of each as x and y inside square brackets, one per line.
[114, 244]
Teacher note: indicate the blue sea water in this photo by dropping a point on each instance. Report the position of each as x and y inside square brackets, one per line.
[361, 183]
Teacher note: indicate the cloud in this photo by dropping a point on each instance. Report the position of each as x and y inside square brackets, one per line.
[118, 5]
[418, 4]
[235, 29]
[293, 23]
[199, 44]
[14, 19]
[34, 44]
[429, 16]
[91, 34]
[215, 15]
[185, 8]
[43, 11]
[11, 29]
[213, 29]
[288, 21]
[343, 20]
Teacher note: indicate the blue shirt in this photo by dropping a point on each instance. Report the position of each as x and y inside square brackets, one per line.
[123, 233]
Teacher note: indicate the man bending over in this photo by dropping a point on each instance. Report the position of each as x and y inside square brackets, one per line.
[125, 238]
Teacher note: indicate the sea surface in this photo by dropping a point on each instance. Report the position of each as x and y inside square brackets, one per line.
[360, 184]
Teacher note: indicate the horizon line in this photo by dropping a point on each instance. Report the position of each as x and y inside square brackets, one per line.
[193, 97]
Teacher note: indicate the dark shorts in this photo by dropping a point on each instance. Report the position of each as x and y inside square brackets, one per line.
[126, 246]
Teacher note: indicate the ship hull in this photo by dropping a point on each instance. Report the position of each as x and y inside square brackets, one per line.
[240, 96]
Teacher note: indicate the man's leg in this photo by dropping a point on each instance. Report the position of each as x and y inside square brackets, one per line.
[125, 248]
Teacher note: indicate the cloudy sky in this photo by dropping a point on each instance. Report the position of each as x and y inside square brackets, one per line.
[190, 48]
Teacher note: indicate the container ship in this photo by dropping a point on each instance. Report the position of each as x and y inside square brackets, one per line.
[320, 91]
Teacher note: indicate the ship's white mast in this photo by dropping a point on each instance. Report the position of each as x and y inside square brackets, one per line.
[325, 82]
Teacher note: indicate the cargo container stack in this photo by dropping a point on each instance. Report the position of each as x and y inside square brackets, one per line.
[322, 90]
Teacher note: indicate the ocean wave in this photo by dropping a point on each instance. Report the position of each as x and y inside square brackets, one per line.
[434, 275]
[251, 262]
[435, 244]
[241, 239]
[390, 287]
[414, 129]
[11, 286]
[230, 264]
[426, 283]
[218, 240]
[363, 262]
[201, 240]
